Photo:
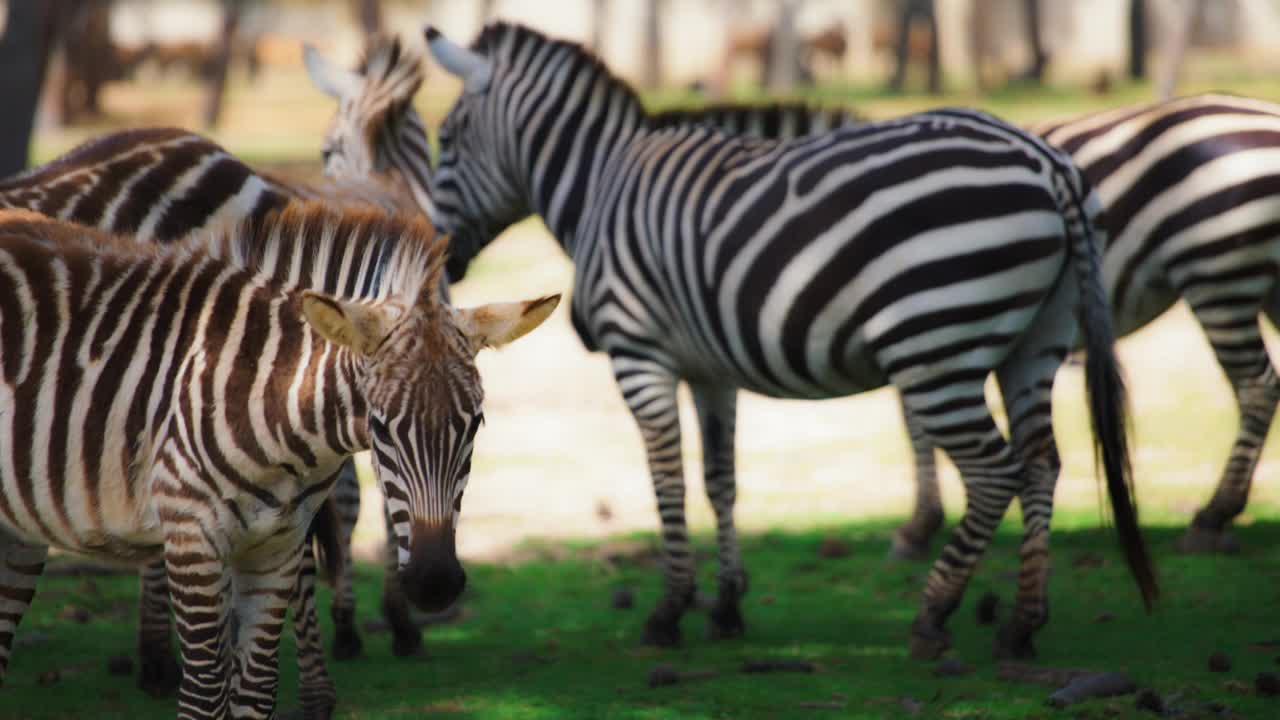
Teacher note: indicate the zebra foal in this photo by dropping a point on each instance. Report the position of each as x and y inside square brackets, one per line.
[925, 252]
[193, 402]
[159, 185]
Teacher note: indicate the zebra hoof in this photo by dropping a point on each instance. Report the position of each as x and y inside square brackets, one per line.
[907, 549]
[1014, 642]
[407, 644]
[662, 629]
[159, 675]
[928, 642]
[725, 621]
[347, 644]
[1203, 541]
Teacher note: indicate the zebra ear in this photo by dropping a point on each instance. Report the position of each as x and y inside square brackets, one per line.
[334, 81]
[474, 69]
[350, 324]
[497, 324]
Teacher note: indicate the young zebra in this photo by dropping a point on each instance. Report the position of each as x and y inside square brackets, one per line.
[1191, 189]
[925, 252]
[159, 185]
[193, 402]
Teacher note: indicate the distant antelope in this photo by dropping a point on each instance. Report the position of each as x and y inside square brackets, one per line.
[193, 402]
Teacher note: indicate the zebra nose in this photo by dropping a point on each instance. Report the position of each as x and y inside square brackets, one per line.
[433, 578]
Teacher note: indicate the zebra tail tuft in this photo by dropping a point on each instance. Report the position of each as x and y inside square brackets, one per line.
[325, 542]
[1104, 385]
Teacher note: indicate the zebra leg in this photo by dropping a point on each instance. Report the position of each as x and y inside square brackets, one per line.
[159, 673]
[1237, 344]
[650, 393]
[346, 497]
[199, 585]
[911, 540]
[20, 568]
[314, 685]
[958, 420]
[717, 410]
[406, 636]
[264, 589]
[1026, 383]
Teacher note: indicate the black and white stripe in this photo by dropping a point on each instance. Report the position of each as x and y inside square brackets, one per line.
[231, 377]
[925, 252]
[1191, 189]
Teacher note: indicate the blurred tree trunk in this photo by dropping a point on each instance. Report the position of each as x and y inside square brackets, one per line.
[782, 73]
[231, 10]
[24, 53]
[1039, 58]
[1137, 40]
[599, 21]
[908, 11]
[651, 65]
[1176, 54]
[369, 14]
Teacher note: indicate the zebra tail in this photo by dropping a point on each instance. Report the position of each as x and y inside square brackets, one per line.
[325, 543]
[1104, 385]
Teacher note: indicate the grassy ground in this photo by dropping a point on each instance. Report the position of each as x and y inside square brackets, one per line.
[538, 638]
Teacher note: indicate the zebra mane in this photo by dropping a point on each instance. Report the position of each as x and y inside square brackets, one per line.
[391, 73]
[500, 34]
[357, 253]
[775, 120]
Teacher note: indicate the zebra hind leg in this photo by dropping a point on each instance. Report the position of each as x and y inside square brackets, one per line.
[1239, 349]
[911, 540]
[315, 687]
[1026, 383]
[716, 419]
[159, 673]
[406, 636]
[957, 419]
[346, 498]
[20, 569]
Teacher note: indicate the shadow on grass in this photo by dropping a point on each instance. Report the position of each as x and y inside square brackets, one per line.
[539, 638]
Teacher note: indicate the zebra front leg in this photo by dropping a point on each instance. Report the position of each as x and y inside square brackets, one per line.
[1243, 357]
[346, 497]
[264, 586]
[159, 673]
[717, 415]
[911, 540]
[959, 422]
[650, 393]
[199, 585]
[406, 636]
[314, 685]
[20, 568]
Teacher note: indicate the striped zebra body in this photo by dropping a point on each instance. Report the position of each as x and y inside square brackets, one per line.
[1191, 191]
[159, 185]
[194, 402]
[925, 253]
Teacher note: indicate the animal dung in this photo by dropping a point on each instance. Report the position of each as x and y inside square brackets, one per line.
[1093, 685]
[1219, 662]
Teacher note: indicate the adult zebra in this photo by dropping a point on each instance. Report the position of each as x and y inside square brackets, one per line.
[1191, 188]
[159, 185]
[194, 402]
[924, 252]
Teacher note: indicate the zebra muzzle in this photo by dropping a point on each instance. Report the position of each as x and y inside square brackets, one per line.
[433, 578]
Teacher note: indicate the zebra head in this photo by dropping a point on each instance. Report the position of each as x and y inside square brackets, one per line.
[416, 361]
[375, 119]
[478, 186]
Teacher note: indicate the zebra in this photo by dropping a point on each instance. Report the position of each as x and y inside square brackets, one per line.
[1192, 197]
[811, 268]
[158, 185]
[194, 402]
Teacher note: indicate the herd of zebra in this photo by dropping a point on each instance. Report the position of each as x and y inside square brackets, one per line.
[191, 350]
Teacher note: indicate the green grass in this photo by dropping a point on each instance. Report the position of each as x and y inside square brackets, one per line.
[539, 639]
